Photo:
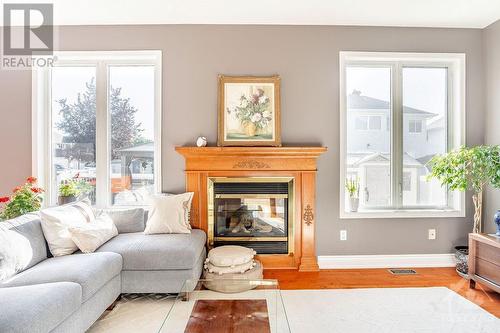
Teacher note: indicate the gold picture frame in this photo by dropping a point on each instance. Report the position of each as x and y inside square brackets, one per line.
[249, 111]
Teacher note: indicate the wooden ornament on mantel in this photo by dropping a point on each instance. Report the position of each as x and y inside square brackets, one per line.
[300, 163]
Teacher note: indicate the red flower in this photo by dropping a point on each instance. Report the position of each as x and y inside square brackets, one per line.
[4, 199]
[15, 189]
[31, 180]
[36, 190]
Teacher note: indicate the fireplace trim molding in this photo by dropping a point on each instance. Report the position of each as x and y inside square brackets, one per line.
[300, 163]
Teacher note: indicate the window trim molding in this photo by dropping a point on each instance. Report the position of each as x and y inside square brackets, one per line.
[456, 120]
[41, 115]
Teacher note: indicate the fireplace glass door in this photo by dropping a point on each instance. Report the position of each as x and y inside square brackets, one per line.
[253, 215]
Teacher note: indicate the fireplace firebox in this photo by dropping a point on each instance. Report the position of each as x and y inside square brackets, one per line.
[253, 212]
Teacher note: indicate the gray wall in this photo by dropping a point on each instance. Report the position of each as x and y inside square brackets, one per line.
[307, 59]
[491, 47]
[15, 129]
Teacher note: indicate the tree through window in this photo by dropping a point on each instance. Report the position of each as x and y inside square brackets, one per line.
[108, 145]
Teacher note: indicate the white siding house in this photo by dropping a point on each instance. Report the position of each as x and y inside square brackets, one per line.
[369, 150]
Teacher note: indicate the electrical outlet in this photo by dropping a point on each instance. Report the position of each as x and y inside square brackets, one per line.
[432, 233]
[343, 235]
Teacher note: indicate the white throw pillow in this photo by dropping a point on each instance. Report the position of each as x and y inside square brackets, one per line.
[230, 269]
[230, 256]
[169, 214]
[57, 220]
[90, 236]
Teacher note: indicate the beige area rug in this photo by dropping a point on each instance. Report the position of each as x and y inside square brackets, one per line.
[138, 313]
[385, 310]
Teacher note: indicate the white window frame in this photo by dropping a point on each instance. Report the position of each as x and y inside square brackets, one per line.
[42, 122]
[455, 63]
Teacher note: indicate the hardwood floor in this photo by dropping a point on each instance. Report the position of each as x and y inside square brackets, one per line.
[382, 278]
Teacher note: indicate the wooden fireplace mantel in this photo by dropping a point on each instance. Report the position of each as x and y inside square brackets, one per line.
[296, 162]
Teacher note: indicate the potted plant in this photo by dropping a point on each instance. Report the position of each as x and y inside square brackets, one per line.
[468, 169]
[71, 190]
[24, 199]
[352, 187]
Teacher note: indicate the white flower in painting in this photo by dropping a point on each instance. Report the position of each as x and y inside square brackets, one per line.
[266, 114]
[256, 118]
[244, 103]
[263, 99]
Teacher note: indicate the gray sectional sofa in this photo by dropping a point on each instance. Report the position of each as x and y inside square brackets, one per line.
[69, 293]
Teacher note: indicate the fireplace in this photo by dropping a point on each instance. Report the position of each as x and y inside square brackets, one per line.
[266, 195]
[255, 212]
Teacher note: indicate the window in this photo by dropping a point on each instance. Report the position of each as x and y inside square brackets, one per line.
[375, 123]
[421, 98]
[407, 181]
[364, 123]
[97, 118]
[415, 126]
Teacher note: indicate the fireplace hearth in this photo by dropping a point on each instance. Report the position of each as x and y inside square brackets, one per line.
[252, 212]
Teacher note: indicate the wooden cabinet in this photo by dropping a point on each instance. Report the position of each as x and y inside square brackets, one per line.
[484, 260]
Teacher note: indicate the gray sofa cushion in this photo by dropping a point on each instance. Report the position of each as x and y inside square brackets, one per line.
[38, 308]
[22, 244]
[166, 281]
[127, 220]
[157, 252]
[90, 270]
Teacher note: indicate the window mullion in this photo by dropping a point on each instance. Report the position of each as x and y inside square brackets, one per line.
[102, 136]
[397, 136]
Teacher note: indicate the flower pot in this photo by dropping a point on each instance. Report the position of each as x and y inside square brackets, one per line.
[65, 200]
[462, 257]
[250, 128]
[353, 204]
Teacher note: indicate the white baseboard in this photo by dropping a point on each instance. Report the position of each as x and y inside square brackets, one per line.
[387, 261]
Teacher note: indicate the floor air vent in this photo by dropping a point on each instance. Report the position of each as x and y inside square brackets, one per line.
[402, 271]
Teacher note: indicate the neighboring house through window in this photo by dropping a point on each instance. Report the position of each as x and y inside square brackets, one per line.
[97, 117]
[420, 97]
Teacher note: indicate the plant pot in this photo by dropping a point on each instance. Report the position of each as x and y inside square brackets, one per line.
[250, 128]
[353, 204]
[462, 257]
[65, 200]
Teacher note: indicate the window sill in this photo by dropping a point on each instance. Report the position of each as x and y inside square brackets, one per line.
[408, 213]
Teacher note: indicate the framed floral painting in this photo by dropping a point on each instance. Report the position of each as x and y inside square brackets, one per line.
[249, 111]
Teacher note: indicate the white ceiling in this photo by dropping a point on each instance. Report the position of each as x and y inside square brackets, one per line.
[411, 13]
